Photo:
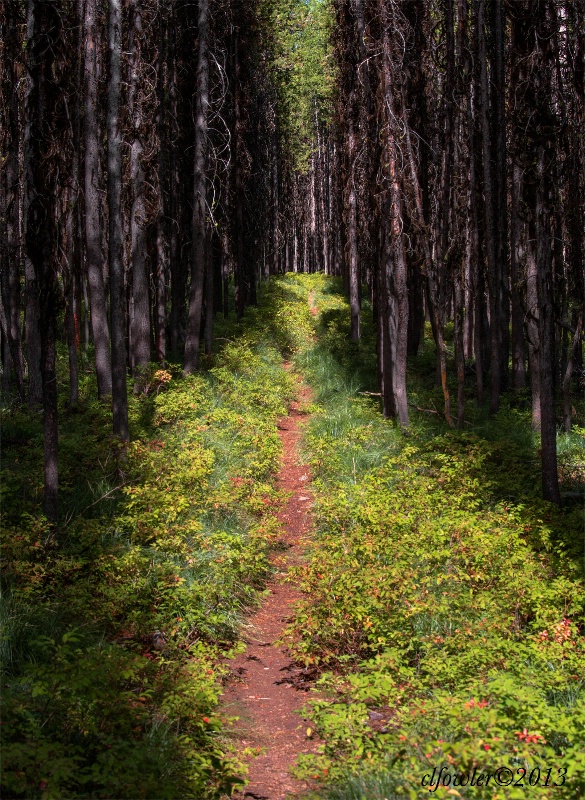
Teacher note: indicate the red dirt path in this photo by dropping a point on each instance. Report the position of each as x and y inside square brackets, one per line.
[267, 687]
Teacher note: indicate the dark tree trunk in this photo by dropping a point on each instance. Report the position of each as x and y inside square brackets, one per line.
[432, 291]
[71, 280]
[459, 350]
[275, 203]
[501, 191]
[393, 252]
[72, 326]
[209, 294]
[140, 320]
[9, 216]
[10, 301]
[516, 259]
[176, 261]
[162, 238]
[491, 233]
[31, 289]
[192, 342]
[352, 244]
[415, 308]
[43, 33]
[532, 326]
[323, 186]
[569, 373]
[93, 244]
[548, 428]
[115, 241]
[161, 290]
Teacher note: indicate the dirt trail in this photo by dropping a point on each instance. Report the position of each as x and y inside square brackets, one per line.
[267, 688]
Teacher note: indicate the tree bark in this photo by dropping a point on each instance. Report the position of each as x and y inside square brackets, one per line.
[569, 373]
[32, 310]
[192, 342]
[459, 349]
[115, 240]
[43, 32]
[9, 214]
[548, 429]
[162, 238]
[71, 280]
[93, 244]
[491, 233]
[393, 252]
[501, 190]
[140, 321]
[176, 260]
[430, 272]
[516, 258]
[532, 327]
[352, 231]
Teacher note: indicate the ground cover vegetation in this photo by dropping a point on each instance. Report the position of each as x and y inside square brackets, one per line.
[116, 623]
[160, 160]
[445, 600]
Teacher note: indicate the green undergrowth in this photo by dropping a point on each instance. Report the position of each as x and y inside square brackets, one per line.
[170, 534]
[445, 606]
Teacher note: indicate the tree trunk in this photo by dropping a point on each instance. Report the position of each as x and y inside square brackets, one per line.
[140, 322]
[192, 343]
[352, 234]
[71, 281]
[532, 327]
[459, 350]
[161, 277]
[72, 326]
[93, 245]
[393, 252]
[323, 184]
[32, 310]
[275, 203]
[176, 262]
[569, 373]
[9, 214]
[491, 234]
[548, 428]
[432, 294]
[115, 240]
[43, 33]
[516, 258]
[209, 293]
[501, 190]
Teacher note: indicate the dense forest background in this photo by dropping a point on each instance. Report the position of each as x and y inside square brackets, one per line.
[431, 153]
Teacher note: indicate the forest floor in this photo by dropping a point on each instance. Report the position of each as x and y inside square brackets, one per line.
[268, 689]
[285, 538]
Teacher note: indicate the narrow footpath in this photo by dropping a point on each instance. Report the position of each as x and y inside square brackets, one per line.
[267, 687]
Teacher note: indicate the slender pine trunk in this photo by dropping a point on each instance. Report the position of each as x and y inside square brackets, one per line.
[93, 243]
[115, 240]
[192, 342]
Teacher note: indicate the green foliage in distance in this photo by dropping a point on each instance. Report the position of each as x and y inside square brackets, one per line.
[171, 533]
[445, 605]
[303, 69]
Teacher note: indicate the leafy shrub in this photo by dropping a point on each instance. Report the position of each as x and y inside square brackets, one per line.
[444, 603]
[171, 533]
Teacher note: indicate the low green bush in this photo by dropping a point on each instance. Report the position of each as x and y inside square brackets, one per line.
[445, 605]
[171, 533]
